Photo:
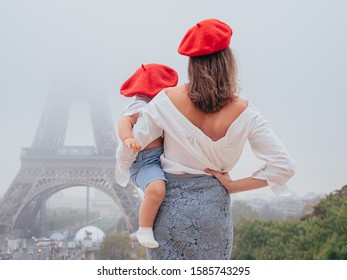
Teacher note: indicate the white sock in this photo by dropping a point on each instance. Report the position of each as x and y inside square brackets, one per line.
[146, 238]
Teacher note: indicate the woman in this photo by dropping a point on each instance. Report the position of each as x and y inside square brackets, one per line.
[205, 125]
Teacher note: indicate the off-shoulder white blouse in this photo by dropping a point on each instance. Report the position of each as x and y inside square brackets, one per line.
[188, 150]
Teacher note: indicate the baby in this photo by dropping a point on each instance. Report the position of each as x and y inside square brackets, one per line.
[146, 171]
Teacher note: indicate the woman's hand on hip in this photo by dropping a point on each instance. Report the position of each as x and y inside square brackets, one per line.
[235, 186]
[223, 178]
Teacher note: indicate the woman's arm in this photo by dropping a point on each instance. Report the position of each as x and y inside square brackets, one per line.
[279, 166]
[278, 169]
[236, 186]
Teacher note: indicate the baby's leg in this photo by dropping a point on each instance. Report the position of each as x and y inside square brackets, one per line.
[154, 196]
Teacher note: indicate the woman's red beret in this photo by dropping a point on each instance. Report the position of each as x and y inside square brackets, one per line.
[206, 37]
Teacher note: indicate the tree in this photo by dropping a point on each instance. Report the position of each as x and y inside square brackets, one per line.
[320, 235]
[115, 246]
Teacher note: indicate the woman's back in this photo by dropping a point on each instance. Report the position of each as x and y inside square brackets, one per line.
[213, 125]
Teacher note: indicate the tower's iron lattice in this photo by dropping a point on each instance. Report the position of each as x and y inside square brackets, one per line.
[49, 166]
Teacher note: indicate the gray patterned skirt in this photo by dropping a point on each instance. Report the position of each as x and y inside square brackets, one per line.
[194, 222]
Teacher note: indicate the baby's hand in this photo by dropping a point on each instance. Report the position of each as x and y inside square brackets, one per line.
[132, 143]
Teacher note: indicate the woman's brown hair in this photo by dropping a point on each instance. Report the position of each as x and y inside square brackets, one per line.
[212, 80]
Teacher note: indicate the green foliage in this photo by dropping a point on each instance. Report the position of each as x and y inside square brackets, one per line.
[141, 252]
[115, 246]
[323, 235]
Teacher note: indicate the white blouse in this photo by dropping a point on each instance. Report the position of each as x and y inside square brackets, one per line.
[188, 150]
[135, 106]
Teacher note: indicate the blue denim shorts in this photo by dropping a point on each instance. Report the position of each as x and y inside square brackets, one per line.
[147, 168]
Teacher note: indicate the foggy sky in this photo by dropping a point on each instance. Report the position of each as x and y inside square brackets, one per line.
[291, 56]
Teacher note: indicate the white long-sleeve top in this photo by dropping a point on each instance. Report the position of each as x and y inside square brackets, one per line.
[135, 106]
[188, 150]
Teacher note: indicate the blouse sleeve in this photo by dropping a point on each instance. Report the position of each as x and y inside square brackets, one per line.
[146, 130]
[279, 166]
[148, 126]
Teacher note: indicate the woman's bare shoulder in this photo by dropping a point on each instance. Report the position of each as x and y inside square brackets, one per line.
[174, 92]
[177, 94]
[242, 102]
[237, 106]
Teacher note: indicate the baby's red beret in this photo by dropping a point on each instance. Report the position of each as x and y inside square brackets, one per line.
[149, 80]
[206, 37]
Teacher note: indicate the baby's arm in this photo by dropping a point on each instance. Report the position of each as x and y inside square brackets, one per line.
[125, 127]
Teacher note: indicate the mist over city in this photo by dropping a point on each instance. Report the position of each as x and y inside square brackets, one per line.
[291, 59]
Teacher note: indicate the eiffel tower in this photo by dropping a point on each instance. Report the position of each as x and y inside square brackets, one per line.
[48, 166]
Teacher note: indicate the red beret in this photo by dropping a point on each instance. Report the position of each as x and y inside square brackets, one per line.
[149, 79]
[206, 37]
